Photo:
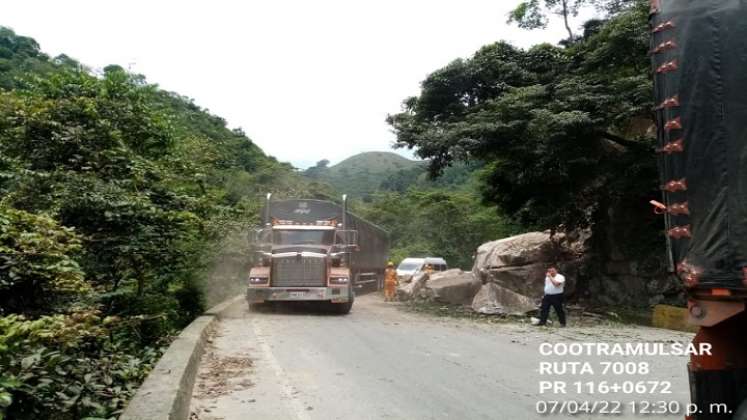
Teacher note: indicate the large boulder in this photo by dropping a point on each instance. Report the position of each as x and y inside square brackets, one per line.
[517, 250]
[528, 280]
[452, 287]
[409, 290]
[519, 262]
[496, 300]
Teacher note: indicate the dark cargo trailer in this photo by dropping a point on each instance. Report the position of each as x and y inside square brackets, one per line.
[699, 55]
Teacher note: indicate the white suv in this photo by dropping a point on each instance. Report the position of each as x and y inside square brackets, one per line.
[412, 266]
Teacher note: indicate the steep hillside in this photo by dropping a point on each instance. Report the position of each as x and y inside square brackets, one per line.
[116, 199]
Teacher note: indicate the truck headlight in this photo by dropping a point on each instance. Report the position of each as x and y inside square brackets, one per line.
[338, 280]
[258, 280]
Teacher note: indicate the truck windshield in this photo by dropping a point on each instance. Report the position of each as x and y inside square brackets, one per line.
[302, 237]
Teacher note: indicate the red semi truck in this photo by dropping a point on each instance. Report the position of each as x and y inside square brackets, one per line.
[315, 251]
[699, 54]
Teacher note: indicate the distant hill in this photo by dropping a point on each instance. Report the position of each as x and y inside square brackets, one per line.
[372, 163]
[361, 174]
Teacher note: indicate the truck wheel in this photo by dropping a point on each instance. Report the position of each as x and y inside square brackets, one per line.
[344, 308]
[257, 307]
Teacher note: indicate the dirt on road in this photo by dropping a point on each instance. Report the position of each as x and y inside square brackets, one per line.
[380, 362]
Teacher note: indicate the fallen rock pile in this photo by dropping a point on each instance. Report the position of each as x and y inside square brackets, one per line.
[507, 278]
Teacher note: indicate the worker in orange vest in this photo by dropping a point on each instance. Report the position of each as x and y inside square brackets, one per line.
[390, 282]
[428, 269]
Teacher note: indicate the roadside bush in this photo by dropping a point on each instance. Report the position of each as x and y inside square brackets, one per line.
[68, 366]
[37, 271]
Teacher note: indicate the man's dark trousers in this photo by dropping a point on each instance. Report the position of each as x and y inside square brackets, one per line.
[556, 301]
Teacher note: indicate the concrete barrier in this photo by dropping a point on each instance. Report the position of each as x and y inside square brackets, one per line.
[167, 391]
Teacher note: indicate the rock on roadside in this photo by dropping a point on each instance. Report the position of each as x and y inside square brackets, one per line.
[518, 250]
[454, 287]
[408, 291]
[519, 262]
[493, 299]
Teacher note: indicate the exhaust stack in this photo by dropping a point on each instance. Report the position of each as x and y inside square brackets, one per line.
[267, 209]
[345, 212]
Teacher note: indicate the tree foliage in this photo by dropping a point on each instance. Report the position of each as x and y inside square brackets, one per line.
[563, 131]
[436, 222]
[533, 14]
[37, 265]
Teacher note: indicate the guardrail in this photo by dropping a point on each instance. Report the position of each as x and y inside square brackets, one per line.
[166, 392]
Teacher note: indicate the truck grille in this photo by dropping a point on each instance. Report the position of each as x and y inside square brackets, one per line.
[299, 271]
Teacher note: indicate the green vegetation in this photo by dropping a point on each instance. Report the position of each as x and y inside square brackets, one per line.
[532, 14]
[441, 217]
[114, 197]
[562, 131]
[459, 176]
[436, 222]
[425, 216]
[553, 137]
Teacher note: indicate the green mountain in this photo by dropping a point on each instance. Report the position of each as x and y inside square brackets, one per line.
[363, 174]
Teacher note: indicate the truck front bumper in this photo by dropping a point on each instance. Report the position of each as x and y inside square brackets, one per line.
[267, 294]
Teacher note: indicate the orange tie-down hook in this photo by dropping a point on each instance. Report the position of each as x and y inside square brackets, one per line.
[659, 208]
[675, 209]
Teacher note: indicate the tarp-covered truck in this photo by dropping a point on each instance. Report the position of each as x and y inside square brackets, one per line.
[314, 250]
[699, 53]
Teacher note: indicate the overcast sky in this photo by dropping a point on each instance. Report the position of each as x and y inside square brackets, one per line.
[306, 80]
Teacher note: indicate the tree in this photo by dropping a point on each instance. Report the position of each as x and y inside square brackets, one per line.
[317, 171]
[532, 14]
[562, 130]
[19, 55]
[436, 222]
[38, 266]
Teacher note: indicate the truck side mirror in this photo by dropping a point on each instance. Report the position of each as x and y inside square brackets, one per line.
[259, 236]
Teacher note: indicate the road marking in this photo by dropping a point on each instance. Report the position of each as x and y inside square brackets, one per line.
[286, 387]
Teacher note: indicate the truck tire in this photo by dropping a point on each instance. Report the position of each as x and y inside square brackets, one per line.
[344, 308]
[257, 307]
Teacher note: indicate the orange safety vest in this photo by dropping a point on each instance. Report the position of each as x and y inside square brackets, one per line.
[390, 275]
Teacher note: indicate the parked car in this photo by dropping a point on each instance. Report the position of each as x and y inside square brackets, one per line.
[412, 266]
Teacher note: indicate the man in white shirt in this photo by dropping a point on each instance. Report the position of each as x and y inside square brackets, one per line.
[554, 283]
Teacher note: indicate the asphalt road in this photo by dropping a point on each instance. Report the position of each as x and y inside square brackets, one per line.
[380, 362]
